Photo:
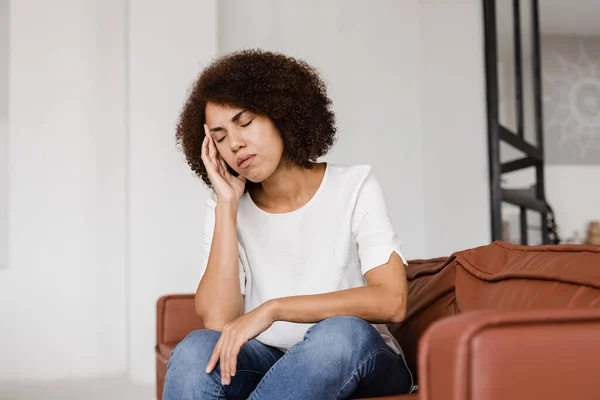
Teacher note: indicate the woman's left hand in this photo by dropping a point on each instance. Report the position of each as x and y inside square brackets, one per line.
[235, 334]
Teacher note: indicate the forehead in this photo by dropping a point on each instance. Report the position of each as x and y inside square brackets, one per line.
[219, 113]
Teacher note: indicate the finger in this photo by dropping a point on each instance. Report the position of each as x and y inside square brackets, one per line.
[209, 147]
[223, 165]
[206, 133]
[224, 362]
[235, 350]
[205, 141]
[220, 164]
[204, 154]
[212, 362]
[208, 163]
[212, 151]
[229, 176]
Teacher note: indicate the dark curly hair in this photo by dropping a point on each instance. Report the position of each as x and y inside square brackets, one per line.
[287, 90]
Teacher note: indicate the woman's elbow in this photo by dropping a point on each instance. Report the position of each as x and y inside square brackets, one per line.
[398, 308]
[210, 319]
[198, 307]
[207, 321]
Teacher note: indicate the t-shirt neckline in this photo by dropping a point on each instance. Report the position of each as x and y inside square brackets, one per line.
[309, 202]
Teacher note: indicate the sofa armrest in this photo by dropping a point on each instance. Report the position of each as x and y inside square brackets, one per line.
[541, 354]
[175, 318]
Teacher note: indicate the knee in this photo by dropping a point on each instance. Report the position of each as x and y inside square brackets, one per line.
[185, 378]
[195, 349]
[342, 334]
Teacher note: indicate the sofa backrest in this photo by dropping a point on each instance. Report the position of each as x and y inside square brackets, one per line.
[509, 277]
[499, 276]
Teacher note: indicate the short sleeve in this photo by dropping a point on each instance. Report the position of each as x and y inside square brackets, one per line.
[372, 227]
[209, 228]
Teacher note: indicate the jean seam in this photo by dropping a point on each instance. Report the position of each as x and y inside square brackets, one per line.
[356, 371]
[218, 391]
[412, 378]
[240, 386]
[273, 367]
[249, 370]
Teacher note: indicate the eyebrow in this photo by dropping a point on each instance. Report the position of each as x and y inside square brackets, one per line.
[235, 118]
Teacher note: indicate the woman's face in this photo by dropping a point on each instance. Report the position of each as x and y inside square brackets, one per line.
[248, 142]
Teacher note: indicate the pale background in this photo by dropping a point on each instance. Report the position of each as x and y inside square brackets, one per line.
[3, 133]
[105, 215]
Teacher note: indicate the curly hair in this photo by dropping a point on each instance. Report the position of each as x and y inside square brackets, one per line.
[287, 90]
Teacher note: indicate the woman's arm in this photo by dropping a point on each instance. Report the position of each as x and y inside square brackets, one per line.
[218, 297]
[384, 299]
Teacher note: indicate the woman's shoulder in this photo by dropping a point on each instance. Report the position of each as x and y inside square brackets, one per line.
[350, 170]
[351, 176]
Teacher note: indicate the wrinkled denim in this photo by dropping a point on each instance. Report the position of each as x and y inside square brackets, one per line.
[339, 358]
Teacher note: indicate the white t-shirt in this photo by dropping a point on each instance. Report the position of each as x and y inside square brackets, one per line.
[327, 245]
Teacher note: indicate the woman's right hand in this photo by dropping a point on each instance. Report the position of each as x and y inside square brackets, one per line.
[228, 188]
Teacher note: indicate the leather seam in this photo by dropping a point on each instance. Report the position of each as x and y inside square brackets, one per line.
[546, 248]
[488, 277]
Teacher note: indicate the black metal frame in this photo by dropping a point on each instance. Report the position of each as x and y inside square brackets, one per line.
[534, 155]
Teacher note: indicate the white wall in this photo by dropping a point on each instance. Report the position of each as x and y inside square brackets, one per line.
[390, 120]
[62, 298]
[453, 126]
[396, 119]
[571, 190]
[106, 216]
[168, 45]
[367, 52]
[4, 133]
[3, 192]
[574, 193]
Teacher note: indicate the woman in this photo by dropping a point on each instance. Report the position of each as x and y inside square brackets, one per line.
[303, 267]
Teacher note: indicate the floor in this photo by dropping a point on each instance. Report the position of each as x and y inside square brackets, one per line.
[83, 389]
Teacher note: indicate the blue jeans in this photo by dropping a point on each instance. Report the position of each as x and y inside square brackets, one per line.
[339, 358]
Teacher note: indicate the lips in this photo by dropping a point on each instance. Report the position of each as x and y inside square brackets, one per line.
[242, 159]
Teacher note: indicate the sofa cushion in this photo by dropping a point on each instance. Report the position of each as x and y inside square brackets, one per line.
[163, 351]
[513, 277]
[430, 297]
[176, 318]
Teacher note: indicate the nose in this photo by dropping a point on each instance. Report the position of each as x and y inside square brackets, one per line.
[236, 141]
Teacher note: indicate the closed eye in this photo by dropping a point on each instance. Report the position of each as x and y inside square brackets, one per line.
[244, 125]
[220, 140]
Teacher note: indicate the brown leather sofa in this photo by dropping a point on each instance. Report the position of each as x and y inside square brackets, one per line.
[495, 322]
